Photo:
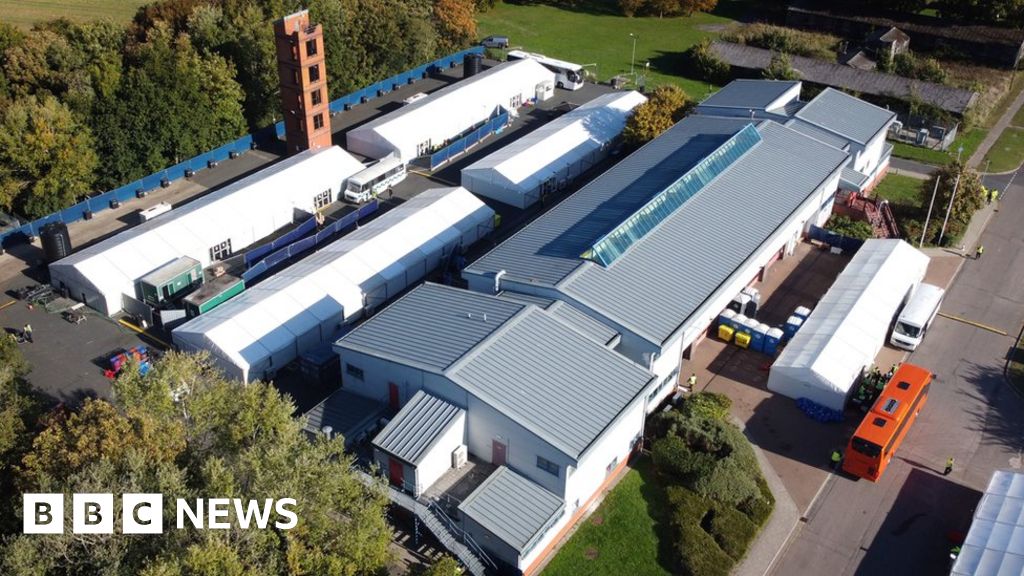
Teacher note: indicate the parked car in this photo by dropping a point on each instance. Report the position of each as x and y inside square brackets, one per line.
[495, 42]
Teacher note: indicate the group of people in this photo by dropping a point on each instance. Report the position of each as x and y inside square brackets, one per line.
[24, 336]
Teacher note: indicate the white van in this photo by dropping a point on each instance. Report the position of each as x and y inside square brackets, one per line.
[917, 316]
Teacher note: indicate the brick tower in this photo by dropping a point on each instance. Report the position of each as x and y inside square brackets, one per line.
[300, 67]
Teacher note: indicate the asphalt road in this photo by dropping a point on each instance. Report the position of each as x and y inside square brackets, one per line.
[903, 524]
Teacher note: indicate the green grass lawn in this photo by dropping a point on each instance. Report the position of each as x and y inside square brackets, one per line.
[1007, 153]
[621, 537]
[1018, 118]
[902, 190]
[970, 140]
[595, 33]
[25, 13]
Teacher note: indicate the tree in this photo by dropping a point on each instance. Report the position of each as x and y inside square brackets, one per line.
[221, 438]
[970, 196]
[20, 407]
[666, 106]
[705, 64]
[47, 159]
[632, 7]
[445, 566]
[779, 68]
[455, 23]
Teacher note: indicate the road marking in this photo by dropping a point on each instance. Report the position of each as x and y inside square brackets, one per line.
[135, 328]
[7, 304]
[973, 323]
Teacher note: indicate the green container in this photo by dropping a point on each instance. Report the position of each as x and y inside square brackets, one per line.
[171, 281]
[212, 294]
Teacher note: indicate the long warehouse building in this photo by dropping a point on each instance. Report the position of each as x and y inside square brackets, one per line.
[211, 228]
[429, 123]
[308, 303]
[551, 156]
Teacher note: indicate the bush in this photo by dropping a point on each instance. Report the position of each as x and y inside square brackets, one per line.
[662, 424]
[697, 554]
[703, 64]
[910, 66]
[787, 40]
[732, 530]
[846, 226]
[710, 405]
[710, 457]
[678, 464]
[760, 508]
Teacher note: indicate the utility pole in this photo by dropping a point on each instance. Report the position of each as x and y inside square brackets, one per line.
[633, 57]
[929, 216]
[949, 209]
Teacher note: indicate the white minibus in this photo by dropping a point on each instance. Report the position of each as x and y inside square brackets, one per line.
[917, 316]
[367, 184]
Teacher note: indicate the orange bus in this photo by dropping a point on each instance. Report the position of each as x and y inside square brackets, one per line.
[886, 425]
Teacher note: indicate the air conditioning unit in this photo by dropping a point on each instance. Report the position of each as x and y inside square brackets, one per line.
[459, 456]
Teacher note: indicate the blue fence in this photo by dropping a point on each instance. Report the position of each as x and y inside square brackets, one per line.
[261, 137]
[281, 241]
[466, 142]
[326, 234]
[845, 243]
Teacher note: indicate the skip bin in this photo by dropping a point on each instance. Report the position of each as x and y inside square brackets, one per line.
[725, 332]
[772, 339]
[743, 339]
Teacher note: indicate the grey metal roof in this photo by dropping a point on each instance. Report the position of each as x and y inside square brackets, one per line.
[808, 129]
[561, 385]
[853, 179]
[527, 299]
[345, 412]
[579, 321]
[431, 326]
[754, 94]
[843, 114]
[512, 508]
[655, 286]
[548, 249]
[949, 98]
[416, 428]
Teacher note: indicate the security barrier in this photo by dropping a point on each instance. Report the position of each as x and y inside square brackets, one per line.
[113, 198]
[466, 142]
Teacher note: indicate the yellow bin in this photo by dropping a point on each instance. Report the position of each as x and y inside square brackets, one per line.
[743, 339]
[725, 332]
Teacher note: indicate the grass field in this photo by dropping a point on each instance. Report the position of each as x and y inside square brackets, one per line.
[594, 33]
[902, 190]
[1007, 153]
[25, 13]
[970, 140]
[621, 537]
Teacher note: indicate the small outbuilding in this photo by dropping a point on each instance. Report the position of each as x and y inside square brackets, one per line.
[849, 325]
[551, 156]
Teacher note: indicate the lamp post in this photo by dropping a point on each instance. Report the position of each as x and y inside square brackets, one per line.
[632, 59]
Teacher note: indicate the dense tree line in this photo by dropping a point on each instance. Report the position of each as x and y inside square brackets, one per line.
[219, 439]
[88, 107]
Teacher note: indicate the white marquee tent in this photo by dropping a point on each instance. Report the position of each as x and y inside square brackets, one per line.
[241, 213]
[553, 154]
[995, 543]
[306, 304]
[449, 112]
[849, 325]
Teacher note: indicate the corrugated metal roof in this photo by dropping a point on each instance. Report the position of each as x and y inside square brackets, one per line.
[345, 412]
[808, 129]
[512, 507]
[548, 249]
[853, 179]
[417, 426]
[540, 301]
[563, 386]
[843, 114]
[664, 278]
[952, 99]
[993, 544]
[432, 326]
[745, 93]
[170, 271]
[577, 320]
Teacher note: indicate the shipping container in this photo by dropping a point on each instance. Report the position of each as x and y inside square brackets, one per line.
[212, 294]
[171, 281]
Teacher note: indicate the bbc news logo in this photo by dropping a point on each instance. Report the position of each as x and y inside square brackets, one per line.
[144, 513]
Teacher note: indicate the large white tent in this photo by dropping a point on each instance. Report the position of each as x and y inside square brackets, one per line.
[995, 543]
[240, 213]
[306, 304]
[849, 325]
[554, 154]
[447, 113]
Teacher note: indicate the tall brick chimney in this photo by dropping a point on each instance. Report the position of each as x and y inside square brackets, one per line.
[300, 67]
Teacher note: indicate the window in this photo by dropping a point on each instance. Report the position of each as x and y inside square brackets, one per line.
[547, 466]
[318, 121]
[314, 72]
[611, 466]
[354, 371]
[310, 47]
[220, 251]
[315, 98]
[322, 199]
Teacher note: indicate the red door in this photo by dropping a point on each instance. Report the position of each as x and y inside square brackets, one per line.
[393, 396]
[498, 452]
[396, 472]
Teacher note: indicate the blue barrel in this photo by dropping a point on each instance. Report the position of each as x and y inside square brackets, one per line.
[772, 339]
[757, 337]
[802, 312]
[792, 325]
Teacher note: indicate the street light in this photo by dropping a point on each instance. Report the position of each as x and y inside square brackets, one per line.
[632, 58]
